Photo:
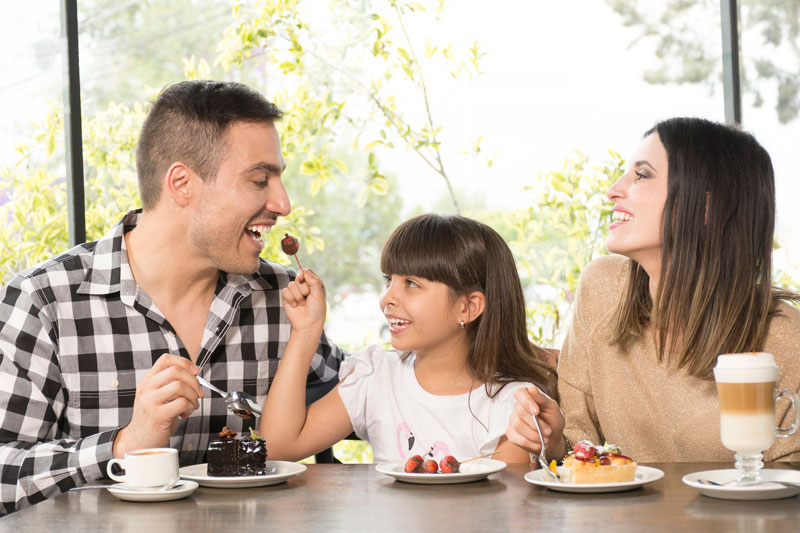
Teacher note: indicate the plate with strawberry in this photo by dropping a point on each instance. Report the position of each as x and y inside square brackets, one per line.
[448, 470]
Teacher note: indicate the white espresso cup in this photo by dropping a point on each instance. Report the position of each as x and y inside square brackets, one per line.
[746, 384]
[153, 468]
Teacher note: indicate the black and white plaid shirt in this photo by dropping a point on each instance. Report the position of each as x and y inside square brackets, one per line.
[77, 335]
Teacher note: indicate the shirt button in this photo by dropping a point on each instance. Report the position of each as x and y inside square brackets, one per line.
[189, 446]
[114, 383]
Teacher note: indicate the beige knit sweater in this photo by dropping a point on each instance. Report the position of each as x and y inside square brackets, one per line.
[652, 410]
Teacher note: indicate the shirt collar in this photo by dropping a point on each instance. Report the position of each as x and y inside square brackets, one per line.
[110, 272]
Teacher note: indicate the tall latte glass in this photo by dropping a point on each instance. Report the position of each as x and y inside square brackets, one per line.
[747, 397]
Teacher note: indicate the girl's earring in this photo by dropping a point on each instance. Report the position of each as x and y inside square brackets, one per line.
[462, 324]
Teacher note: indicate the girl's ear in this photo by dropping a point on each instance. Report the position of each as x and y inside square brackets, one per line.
[474, 306]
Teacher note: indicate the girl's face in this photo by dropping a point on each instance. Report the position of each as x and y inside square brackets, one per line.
[422, 315]
[639, 197]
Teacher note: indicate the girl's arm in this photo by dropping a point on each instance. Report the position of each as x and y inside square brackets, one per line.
[511, 453]
[291, 430]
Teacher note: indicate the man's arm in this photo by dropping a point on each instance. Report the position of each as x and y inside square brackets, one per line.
[37, 457]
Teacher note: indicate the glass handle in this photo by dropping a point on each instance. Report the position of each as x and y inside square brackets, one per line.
[785, 432]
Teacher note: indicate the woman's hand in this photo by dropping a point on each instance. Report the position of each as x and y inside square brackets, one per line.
[304, 303]
[521, 430]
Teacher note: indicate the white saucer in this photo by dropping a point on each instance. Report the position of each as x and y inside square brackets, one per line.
[760, 492]
[283, 470]
[472, 471]
[181, 490]
[644, 475]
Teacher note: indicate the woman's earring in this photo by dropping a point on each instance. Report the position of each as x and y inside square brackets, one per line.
[461, 324]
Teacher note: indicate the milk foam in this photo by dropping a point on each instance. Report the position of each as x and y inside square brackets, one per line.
[747, 434]
[746, 368]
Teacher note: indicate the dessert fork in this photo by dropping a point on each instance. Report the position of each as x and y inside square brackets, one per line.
[542, 458]
[239, 403]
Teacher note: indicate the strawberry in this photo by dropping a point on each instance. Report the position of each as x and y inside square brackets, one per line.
[449, 465]
[414, 464]
[431, 467]
[584, 450]
[289, 245]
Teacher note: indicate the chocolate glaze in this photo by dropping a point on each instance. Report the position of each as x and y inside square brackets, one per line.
[236, 457]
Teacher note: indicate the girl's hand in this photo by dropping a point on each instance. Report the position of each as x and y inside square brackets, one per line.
[304, 303]
[521, 430]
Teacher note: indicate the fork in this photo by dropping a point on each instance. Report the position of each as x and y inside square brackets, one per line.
[542, 458]
[791, 484]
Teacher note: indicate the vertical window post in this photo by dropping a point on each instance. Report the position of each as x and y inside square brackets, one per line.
[730, 61]
[72, 122]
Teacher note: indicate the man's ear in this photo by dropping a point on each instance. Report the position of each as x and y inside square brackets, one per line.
[180, 183]
[474, 305]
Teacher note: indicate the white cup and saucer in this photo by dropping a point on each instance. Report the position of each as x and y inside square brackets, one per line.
[151, 475]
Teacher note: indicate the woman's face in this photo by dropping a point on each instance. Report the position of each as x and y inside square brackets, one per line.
[639, 197]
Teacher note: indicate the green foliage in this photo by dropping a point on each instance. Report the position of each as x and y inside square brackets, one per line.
[562, 230]
[689, 52]
[368, 79]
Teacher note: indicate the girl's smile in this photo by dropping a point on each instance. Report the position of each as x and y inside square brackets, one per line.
[422, 314]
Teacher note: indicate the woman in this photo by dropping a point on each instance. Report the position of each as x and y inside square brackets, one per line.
[692, 223]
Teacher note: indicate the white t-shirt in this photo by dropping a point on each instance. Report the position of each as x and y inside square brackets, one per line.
[389, 408]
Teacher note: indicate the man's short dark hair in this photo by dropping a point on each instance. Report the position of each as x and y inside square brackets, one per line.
[189, 122]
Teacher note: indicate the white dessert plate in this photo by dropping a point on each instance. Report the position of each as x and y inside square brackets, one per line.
[181, 490]
[758, 492]
[472, 471]
[644, 475]
[283, 470]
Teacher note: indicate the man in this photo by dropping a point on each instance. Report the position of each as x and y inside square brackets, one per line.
[101, 345]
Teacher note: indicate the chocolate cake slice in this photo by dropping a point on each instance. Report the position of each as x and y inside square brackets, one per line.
[229, 456]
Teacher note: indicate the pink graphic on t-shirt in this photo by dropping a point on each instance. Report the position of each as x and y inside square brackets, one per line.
[404, 437]
[438, 448]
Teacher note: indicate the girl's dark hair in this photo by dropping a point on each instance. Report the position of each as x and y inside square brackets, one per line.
[467, 255]
[715, 292]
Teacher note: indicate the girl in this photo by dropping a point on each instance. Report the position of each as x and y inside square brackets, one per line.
[455, 308]
[693, 223]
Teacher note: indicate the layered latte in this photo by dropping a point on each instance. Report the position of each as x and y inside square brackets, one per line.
[746, 387]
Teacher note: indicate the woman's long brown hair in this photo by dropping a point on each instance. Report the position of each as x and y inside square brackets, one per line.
[467, 255]
[715, 292]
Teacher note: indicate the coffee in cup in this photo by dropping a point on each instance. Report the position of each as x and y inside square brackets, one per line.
[153, 468]
[746, 384]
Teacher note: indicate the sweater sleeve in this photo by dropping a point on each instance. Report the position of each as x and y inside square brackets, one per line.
[574, 368]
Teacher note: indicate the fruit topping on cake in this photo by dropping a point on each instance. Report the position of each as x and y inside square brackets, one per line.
[588, 463]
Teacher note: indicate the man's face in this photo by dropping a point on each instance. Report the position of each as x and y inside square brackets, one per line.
[242, 203]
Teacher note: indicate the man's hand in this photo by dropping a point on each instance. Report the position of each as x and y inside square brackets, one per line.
[521, 430]
[304, 302]
[168, 391]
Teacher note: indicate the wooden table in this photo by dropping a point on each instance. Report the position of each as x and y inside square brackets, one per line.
[357, 498]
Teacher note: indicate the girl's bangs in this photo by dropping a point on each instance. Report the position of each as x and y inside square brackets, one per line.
[426, 246]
